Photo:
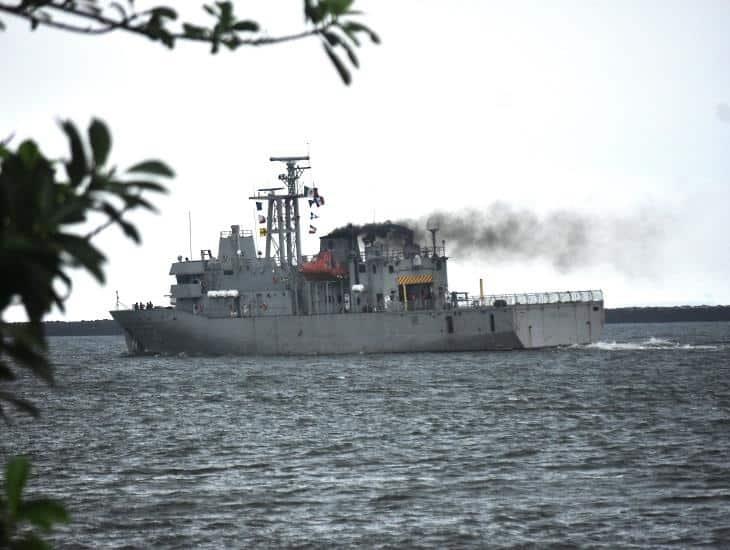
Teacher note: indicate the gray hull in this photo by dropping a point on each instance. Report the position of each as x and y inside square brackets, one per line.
[464, 329]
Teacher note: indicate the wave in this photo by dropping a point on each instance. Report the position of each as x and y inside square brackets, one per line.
[652, 343]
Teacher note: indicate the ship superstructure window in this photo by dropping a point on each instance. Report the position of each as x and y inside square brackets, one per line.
[362, 268]
[375, 268]
[491, 321]
[391, 269]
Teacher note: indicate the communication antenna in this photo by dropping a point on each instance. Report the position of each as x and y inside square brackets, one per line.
[432, 225]
[190, 233]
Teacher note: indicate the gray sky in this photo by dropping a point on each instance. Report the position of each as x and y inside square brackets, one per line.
[613, 112]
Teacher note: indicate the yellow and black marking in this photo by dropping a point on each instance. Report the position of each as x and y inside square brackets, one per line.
[414, 279]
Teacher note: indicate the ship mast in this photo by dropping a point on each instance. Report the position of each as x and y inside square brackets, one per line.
[282, 212]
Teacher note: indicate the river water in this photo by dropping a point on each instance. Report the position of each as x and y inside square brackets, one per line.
[617, 444]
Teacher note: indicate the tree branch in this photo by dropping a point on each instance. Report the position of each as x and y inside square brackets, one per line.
[126, 24]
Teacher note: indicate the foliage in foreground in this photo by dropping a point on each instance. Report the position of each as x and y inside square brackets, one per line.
[38, 246]
[333, 21]
[19, 515]
[39, 211]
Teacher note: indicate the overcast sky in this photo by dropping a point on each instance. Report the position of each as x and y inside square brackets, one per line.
[613, 112]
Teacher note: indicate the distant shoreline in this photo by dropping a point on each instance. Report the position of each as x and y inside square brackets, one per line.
[673, 314]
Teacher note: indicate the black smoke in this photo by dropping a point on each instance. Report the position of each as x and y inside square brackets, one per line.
[369, 232]
[568, 240]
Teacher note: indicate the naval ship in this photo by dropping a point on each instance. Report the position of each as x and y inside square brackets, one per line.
[369, 289]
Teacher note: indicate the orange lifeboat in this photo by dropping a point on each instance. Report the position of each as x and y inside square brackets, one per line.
[323, 268]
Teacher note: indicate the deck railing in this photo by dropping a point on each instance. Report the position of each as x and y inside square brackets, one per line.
[560, 297]
[396, 255]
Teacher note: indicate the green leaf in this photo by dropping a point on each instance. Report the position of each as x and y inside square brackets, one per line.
[226, 14]
[350, 53]
[110, 211]
[249, 26]
[28, 153]
[337, 62]
[354, 26]
[129, 230]
[5, 372]
[315, 12]
[164, 12]
[351, 35]
[167, 39]
[338, 7]
[16, 475]
[232, 43]
[76, 168]
[100, 140]
[335, 40]
[43, 513]
[20, 403]
[83, 253]
[153, 167]
[331, 38]
[133, 201]
[30, 357]
[147, 185]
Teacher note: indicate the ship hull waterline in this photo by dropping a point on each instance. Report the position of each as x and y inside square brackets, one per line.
[170, 331]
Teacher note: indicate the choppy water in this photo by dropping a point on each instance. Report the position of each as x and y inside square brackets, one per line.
[618, 444]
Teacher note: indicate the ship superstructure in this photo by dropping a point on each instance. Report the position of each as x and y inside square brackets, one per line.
[370, 288]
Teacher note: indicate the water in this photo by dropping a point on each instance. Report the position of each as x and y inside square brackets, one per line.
[618, 444]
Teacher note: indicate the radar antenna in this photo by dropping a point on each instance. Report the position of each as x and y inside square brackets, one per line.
[282, 219]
